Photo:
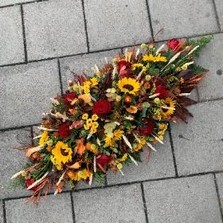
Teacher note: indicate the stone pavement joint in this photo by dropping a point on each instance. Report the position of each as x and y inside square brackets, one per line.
[218, 185]
[24, 34]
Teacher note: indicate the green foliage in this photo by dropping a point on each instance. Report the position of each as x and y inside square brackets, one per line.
[99, 177]
[198, 69]
[202, 42]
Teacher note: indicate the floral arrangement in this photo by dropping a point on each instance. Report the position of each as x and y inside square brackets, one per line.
[104, 121]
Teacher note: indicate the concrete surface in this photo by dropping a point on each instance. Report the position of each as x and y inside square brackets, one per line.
[42, 41]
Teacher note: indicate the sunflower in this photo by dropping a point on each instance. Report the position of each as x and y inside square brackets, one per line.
[129, 85]
[168, 109]
[61, 154]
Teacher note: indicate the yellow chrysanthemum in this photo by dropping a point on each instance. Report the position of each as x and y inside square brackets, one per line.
[169, 108]
[139, 145]
[151, 58]
[129, 85]
[44, 138]
[118, 134]
[162, 130]
[61, 154]
[108, 141]
[94, 117]
[123, 158]
[94, 81]
[138, 65]
[80, 175]
[85, 116]
[86, 87]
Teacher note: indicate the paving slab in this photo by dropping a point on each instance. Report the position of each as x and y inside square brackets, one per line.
[54, 28]
[12, 160]
[11, 38]
[219, 7]
[160, 165]
[110, 24]
[83, 64]
[219, 178]
[193, 18]
[26, 91]
[186, 200]
[211, 58]
[198, 144]
[53, 209]
[117, 204]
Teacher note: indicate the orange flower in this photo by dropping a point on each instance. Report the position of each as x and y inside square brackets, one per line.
[80, 146]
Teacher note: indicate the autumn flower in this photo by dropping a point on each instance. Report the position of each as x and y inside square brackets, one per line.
[129, 85]
[61, 154]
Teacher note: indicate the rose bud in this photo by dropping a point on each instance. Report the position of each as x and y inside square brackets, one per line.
[147, 128]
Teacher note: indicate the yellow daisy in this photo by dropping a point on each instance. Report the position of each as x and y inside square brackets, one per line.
[129, 85]
[94, 117]
[85, 116]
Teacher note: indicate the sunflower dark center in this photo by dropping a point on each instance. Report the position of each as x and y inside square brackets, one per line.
[128, 87]
[63, 152]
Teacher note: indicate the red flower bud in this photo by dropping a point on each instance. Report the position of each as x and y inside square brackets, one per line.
[147, 128]
[103, 159]
[64, 130]
[69, 97]
[175, 44]
[124, 68]
[162, 91]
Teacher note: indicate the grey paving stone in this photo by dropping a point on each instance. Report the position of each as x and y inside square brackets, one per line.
[1, 212]
[11, 38]
[53, 209]
[160, 165]
[220, 187]
[193, 18]
[83, 63]
[198, 144]
[219, 6]
[185, 200]
[26, 91]
[12, 2]
[110, 24]
[117, 204]
[211, 58]
[12, 160]
[54, 28]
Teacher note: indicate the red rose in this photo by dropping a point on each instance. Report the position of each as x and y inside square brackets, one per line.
[175, 44]
[69, 97]
[64, 130]
[124, 68]
[103, 159]
[29, 182]
[147, 128]
[162, 91]
[102, 107]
